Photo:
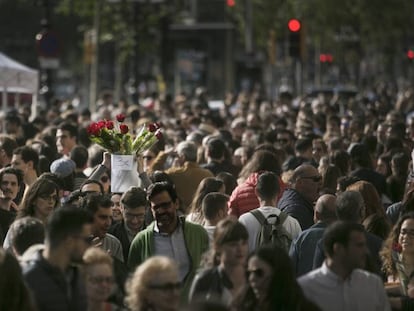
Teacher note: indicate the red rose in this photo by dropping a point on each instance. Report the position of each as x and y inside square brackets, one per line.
[158, 134]
[120, 117]
[93, 129]
[396, 247]
[152, 127]
[109, 125]
[101, 124]
[123, 128]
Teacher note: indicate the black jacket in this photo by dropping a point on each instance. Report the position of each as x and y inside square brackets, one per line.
[52, 289]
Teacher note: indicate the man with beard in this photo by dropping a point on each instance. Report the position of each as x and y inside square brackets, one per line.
[169, 235]
[341, 282]
[55, 282]
[100, 207]
[11, 180]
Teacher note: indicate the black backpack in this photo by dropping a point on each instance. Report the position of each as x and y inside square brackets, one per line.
[272, 232]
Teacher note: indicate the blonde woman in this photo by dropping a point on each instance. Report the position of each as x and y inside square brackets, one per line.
[99, 279]
[154, 286]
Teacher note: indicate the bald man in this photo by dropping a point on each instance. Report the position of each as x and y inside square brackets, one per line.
[303, 247]
[299, 199]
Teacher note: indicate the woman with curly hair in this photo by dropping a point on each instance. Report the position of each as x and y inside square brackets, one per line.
[206, 186]
[154, 286]
[398, 251]
[398, 257]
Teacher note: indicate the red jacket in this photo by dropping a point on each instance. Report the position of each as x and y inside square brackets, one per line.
[243, 198]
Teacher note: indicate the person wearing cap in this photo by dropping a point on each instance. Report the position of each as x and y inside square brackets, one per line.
[64, 168]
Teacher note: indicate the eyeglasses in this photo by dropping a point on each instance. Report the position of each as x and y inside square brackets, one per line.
[52, 197]
[313, 178]
[102, 279]
[166, 286]
[104, 179]
[164, 205]
[259, 273]
[409, 233]
[138, 216]
[149, 158]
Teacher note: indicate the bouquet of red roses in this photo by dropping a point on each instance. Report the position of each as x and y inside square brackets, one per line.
[116, 139]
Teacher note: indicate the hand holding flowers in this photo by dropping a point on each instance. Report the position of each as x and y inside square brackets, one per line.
[115, 136]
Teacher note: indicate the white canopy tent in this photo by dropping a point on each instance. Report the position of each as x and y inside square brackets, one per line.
[17, 78]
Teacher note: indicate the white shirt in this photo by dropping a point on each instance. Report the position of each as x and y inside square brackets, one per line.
[254, 227]
[362, 291]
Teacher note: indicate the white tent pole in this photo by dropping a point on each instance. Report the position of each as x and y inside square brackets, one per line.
[3, 107]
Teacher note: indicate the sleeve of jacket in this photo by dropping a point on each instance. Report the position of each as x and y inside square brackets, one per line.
[141, 248]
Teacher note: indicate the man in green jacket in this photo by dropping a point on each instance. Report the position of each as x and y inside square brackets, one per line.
[169, 235]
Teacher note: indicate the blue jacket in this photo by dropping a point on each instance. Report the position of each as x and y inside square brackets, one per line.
[298, 207]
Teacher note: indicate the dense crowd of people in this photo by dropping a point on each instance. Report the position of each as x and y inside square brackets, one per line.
[293, 204]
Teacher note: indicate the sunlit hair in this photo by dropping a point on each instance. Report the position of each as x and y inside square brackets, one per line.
[137, 286]
[370, 195]
[96, 256]
[388, 265]
[41, 187]
[206, 186]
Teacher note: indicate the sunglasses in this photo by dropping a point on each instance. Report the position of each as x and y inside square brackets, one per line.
[259, 273]
[149, 158]
[166, 286]
[313, 178]
[104, 179]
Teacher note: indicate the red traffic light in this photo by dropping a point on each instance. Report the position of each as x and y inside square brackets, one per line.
[231, 3]
[326, 58]
[294, 25]
[410, 54]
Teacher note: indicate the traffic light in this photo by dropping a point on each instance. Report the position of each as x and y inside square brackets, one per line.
[231, 3]
[410, 55]
[326, 58]
[295, 38]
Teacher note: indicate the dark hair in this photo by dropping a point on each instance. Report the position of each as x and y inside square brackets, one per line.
[303, 144]
[230, 182]
[79, 155]
[92, 181]
[41, 187]
[53, 178]
[378, 225]
[228, 229]
[207, 185]
[267, 186]
[216, 148]
[159, 187]
[65, 222]
[283, 292]
[14, 171]
[134, 197]
[400, 163]
[339, 232]
[25, 232]
[14, 293]
[8, 144]
[212, 203]
[28, 154]
[69, 127]
[158, 176]
[388, 263]
[261, 160]
[93, 201]
[341, 159]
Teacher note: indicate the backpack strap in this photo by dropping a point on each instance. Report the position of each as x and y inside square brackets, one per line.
[282, 217]
[259, 216]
